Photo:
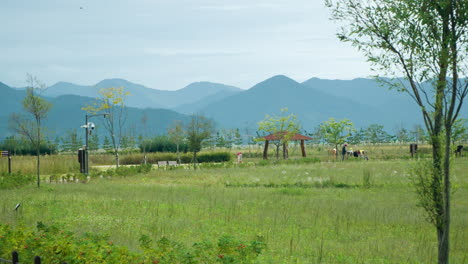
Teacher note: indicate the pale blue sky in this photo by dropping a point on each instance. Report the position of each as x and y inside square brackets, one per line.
[167, 44]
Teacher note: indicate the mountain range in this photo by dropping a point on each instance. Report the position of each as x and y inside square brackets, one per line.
[363, 101]
[144, 97]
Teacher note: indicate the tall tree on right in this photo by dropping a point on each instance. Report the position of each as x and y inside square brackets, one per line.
[425, 41]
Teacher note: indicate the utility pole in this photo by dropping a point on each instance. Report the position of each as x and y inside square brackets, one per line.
[87, 126]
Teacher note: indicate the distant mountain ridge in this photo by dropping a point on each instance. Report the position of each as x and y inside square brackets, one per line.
[66, 114]
[363, 101]
[312, 106]
[142, 96]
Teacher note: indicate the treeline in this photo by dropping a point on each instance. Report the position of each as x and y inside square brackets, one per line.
[20, 146]
[224, 138]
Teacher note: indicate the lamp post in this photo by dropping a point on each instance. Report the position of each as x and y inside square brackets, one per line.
[87, 126]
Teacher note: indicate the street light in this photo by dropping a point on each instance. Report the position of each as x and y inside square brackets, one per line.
[88, 126]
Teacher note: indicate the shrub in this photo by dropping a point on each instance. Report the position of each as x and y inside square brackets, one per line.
[214, 157]
[153, 158]
[15, 180]
[55, 245]
[162, 144]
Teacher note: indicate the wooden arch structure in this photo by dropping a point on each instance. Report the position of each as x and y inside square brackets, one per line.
[279, 136]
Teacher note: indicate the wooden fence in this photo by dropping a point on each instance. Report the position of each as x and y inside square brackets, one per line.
[15, 259]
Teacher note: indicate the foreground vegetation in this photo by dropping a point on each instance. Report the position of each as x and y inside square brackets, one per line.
[327, 212]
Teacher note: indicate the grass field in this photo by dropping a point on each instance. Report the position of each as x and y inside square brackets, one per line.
[328, 212]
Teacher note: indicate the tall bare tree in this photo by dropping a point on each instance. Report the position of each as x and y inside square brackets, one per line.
[177, 135]
[29, 125]
[111, 101]
[425, 41]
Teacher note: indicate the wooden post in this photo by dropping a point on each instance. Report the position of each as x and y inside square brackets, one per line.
[15, 257]
[37, 260]
[303, 148]
[265, 150]
[9, 163]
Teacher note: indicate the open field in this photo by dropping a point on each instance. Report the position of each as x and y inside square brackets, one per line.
[68, 163]
[308, 213]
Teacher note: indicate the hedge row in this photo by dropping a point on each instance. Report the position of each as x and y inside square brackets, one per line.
[55, 245]
[153, 158]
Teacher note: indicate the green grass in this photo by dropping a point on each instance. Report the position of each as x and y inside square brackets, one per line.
[329, 212]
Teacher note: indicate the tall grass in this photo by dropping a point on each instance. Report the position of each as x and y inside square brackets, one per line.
[321, 224]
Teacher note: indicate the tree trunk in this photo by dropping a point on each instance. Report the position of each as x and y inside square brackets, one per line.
[178, 154]
[444, 241]
[194, 160]
[265, 150]
[38, 150]
[303, 149]
[437, 197]
[38, 168]
[441, 184]
[285, 151]
[277, 150]
[117, 160]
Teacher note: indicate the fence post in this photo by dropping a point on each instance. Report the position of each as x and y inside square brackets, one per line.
[15, 258]
[37, 260]
[9, 163]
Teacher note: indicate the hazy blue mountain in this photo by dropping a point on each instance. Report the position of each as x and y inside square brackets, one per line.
[312, 106]
[63, 88]
[402, 108]
[197, 106]
[142, 96]
[66, 114]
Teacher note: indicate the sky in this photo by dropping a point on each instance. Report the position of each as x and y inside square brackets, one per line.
[168, 44]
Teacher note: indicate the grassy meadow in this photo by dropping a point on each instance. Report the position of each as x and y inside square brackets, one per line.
[328, 212]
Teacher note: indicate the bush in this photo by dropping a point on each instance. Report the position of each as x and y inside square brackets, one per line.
[214, 157]
[15, 180]
[55, 245]
[128, 171]
[153, 158]
[162, 144]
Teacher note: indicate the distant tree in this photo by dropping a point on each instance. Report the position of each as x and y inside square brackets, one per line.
[337, 132]
[237, 140]
[106, 144]
[402, 134]
[93, 141]
[177, 134]
[460, 131]
[198, 130]
[71, 141]
[124, 142]
[425, 41]
[250, 139]
[220, 141]
[418, 134]
[316, 135]
[226, 138]
[30, 125]
[112, 101]
[13, 144]
[143, 134]
[284, 126]
[357, 136]
[376, 134]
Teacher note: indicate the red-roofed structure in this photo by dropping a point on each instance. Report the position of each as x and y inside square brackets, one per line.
[281, 135]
